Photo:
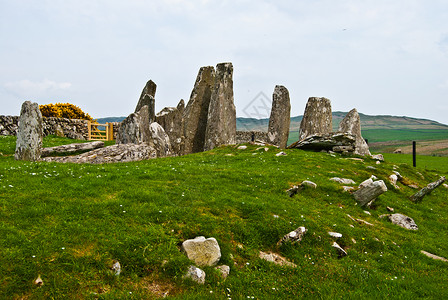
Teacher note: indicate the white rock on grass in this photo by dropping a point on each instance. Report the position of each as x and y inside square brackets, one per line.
[342, 180]
[224, 270]
[281, 154]
[204, 252]
[195, 274]
[243, 147]
[335, 234]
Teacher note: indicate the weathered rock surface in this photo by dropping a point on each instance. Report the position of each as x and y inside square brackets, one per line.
[342, 180]
[135, 128]
[294, 236]
[221, 119]
[195, 274]
[9, 125]
[341, 251]
[204, 252]
[370, 192]
[403, 221]
[196, 111]
[110, 154]
[160, 140]
[72, 148]
[317, 118]
[279, 121]
[276, 258]
[352, 124]
[417, 197]
[29, 133]
[172, 121]
[224, 269]
[148, 98]
[336, 142]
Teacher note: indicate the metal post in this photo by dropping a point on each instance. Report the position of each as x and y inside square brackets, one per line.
[414, 154]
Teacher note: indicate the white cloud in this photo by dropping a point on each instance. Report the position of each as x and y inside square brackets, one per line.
[29, 88]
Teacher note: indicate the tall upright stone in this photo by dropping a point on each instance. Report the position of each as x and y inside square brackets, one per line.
[29, 133]
[221, 120]
[352, 124]
[148, 98]
[160, 140]
[172, 121]
[317, 118]
[278, 130]
[135, 128]
[195, 114]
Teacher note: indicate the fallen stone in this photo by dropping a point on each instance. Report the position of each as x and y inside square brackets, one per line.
[398, 151]
[348, 188]
[378, 157]
[204, 252]
[195, 274]
[327, 142]
[342, 180]
[393, 181]
[276, 258]
[360, 221]
[221, 119]
[29, 133]
[317, 118]
[278, 128]
[352, 124]
[281, 154]
[417, 197]
[70, 148]
[366, 182]
[242, 147]
[445, 185]
[390, 209]
[116, 268]
[224, 270]
[308, 184]
[38, 281]
[294, 190]
[403, 221]
[294, 236]
[433, 256]
[111, 154]
[370, 192]
[340, 250]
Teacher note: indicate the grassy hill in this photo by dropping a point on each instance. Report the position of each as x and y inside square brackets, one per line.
[68, 223]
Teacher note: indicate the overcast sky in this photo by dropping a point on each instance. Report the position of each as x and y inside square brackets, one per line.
[380, 56]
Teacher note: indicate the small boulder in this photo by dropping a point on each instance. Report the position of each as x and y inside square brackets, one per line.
[378, 157]
[341, 251]
[224, 270]
[403, 221]
[335, 234]
[243, 147]
[398, 151]
[204, 252]
[308, 184]
[281, 154]
[276, 259]
[195, 274]
[294, 236]
[342, 180]
[370, 192]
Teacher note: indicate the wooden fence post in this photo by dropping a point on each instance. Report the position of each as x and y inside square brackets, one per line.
[89, 130]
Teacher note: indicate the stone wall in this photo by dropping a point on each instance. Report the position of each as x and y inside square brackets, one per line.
[8, 125]
[246, 136]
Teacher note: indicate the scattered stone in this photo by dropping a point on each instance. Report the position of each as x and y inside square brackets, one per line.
[116, 268]
[266, 149]
[413, 186]
[224, 269]
[398, 151]
[172, 121]
[195, 274]
[294, 190]
[403, 221]
[335, 234]
[445, 185]
[418, 197]
[393, 181]
[366, 183]
[433, 256]
[308, 184]
[352, 124]
[360, 221]
[348, 188]
[367, 212]
[353, 240]
[294, 236]
[29, 133]
[390, 209]
[378, 157]
[242, 147]
[38, 281]
[221, 120]
[371, 167]
[327, 142]
[281, 154]
[204, 252]
[70, 148]
[278, 128]
[317, 118]
[111, 154]
[342, 180]
[341, 251]
[276, 258]
[370, 192]
[356, 159]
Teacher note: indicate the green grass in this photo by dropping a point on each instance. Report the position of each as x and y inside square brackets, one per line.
[68, 223]
[425, 162]
[382, 135]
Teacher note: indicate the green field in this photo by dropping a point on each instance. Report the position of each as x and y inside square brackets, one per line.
[69, 222]
[383, 135]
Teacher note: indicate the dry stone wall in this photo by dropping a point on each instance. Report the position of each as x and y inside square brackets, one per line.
[246, 136]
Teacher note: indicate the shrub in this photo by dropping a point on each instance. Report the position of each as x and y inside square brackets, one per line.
[64, 110]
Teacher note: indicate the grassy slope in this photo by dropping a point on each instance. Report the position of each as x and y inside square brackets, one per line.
[69, 222]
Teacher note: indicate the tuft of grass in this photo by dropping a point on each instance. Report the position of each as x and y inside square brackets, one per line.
[69, 223]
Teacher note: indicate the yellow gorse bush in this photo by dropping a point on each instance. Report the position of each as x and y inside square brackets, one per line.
[64, 110]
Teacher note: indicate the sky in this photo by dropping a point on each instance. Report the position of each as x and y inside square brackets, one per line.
[381, 57]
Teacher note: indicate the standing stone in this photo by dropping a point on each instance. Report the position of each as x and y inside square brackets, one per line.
[148, 98]
[135, 128]
[317, 118]
[172, 121]
[352, 124]
[279, 120]
[29, 133]
[159, 140]
[195, 114]
[221, 121]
